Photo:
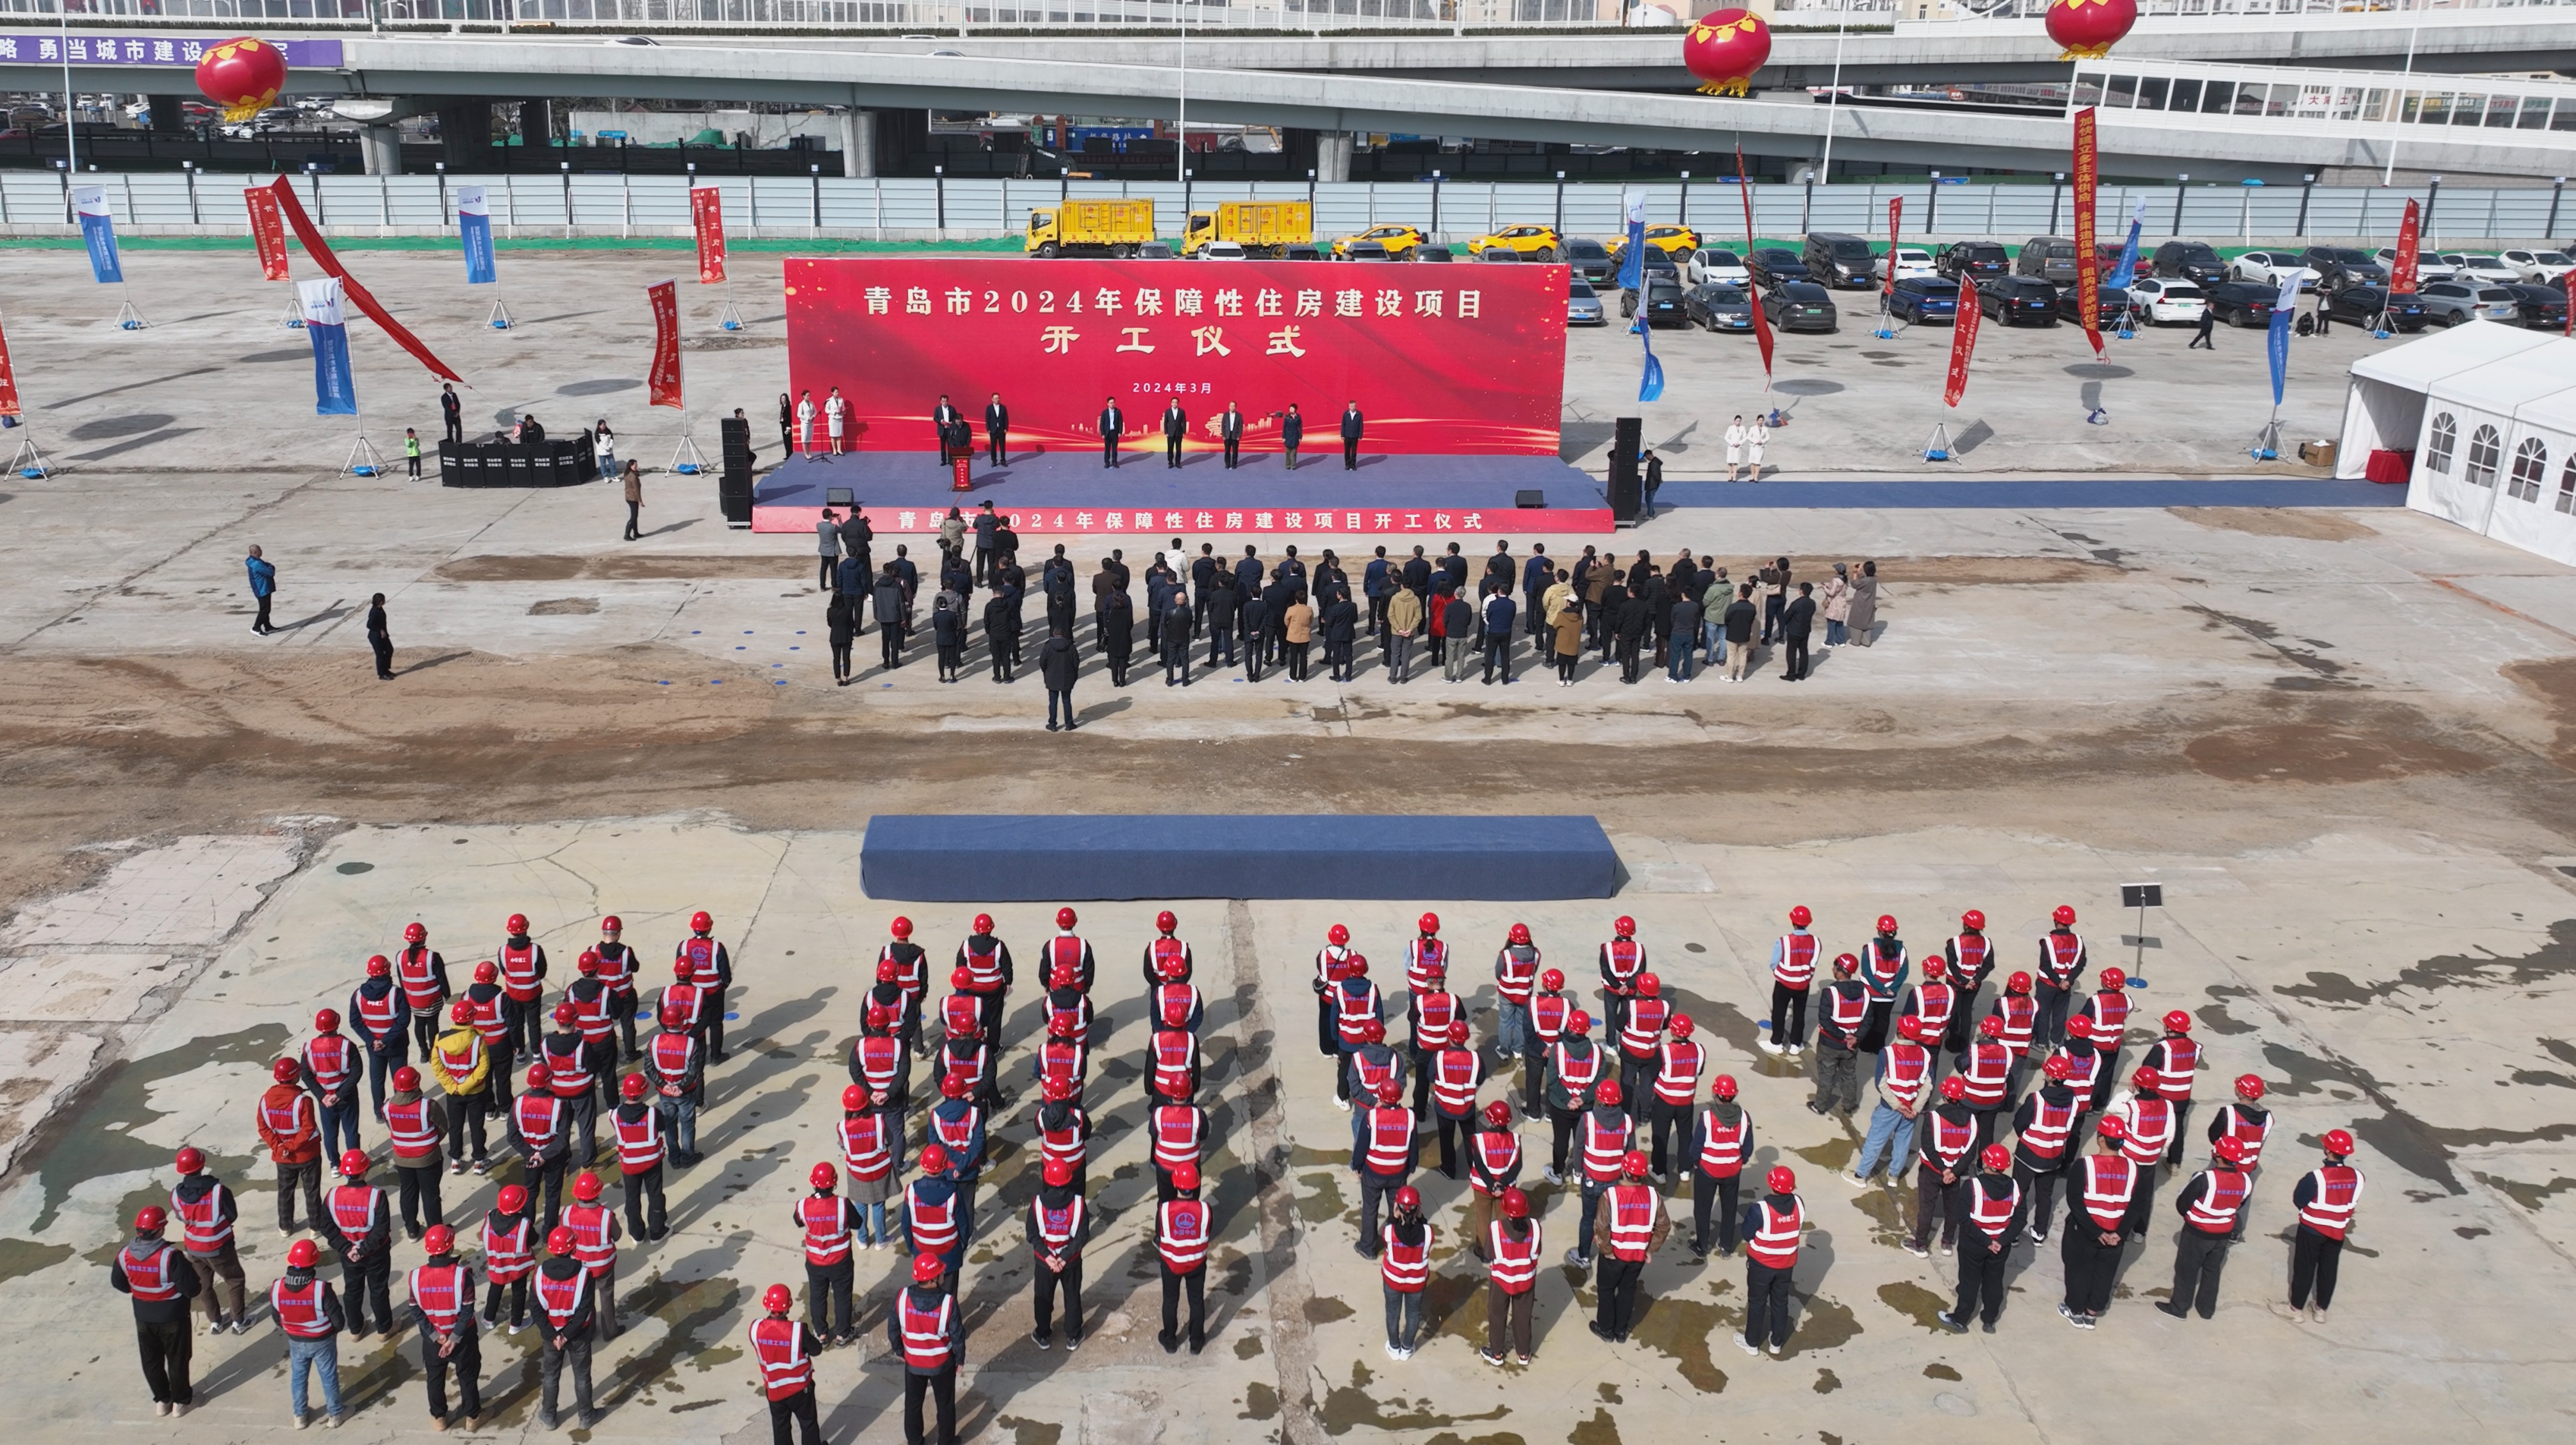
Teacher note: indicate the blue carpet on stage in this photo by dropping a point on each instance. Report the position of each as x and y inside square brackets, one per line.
[973, 858]
[891, 480]
[2036, 494]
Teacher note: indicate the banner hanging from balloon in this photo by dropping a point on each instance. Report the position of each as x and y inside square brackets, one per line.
[474, 228]
[358, 295]
[706, 217]
[663, 381]
[1963, 345]
[335, 389]
[2087, 174]
[98, 233]
[267, 232]
[2410, 240]
[1761, 322]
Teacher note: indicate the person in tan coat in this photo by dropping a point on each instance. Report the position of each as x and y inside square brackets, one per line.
[1299, 630]
[1403, 624]
[634, 478]
[1568, 622]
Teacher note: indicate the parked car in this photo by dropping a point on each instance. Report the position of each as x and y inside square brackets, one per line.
[1392, 241]
[2109, 303]
[2542, 308]
[1775, 265]
[2361, 305]
[1720, 306]
[2017, 300]
[1660, 299]
[1434, 254]
[2272, 268]
[2190, 261]
[1583, 304]
[1921, 299]
[1708, 265]
[2538, 266]
[2160, 302]
[1674, 241]
[1301, 252]
[1530, 241]
[1364, 251]
[1656, 262]
[2341, 266]
[1222, 251]
[2489, 269]
[1503, 254]
[1154, 251]
[1799, 306]
[2243, 303]
[1590, 257]
[1908, 261]
[1840, 260]
[2452, 300]
[2046, 258]
[1969, 261]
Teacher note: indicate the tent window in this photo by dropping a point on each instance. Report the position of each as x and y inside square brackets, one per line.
[2486, 449]
[2567, 488]
[2530, 464]
[2437, 448]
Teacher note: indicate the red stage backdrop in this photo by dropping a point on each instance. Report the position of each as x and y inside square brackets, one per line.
[1460, 359]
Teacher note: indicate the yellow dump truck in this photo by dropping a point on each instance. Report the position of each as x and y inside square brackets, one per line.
[1090, 228]
[1262, 228]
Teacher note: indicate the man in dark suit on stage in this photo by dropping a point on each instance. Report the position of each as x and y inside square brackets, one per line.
[943, 420]
[1112, 426]
[997, 432]
[1351, 438]
[1229, 429]
[1176, 428]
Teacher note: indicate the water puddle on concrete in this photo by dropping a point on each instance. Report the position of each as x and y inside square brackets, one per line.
[1354, 1404]
[1827, 1382]
[104, 1139]
[1915, 1303]
[1683, 1330]
[1031, 1432]
[1822, 1325]
[1601, 1429]
[1260, 1402]
[1938, 1371]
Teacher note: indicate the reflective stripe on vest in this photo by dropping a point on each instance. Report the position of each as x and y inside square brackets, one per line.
[414, 1137]
[1605, 1144]
[1177, 1004]
[1989, 1211]
[956, 1134]
[639, 1140]
[2110, 1015]
[1515, 1267]
[1072, 1008]
[299, 1311]
[1406, 1268]
[1164, 950]
[1454, 1077]
[327, 1055]
[688, 996]
[2338, 1193]
[1175, 1054]
[1986, 1068]
[2150, 1122]
[2214, 1212]
[1515, 970]
[1177, 1128]
[1390, 1140]
[2061, 957]
[569, 1062]
[2083, 1063]
[291, 1118]
[1846, 1008]
[487, 1012]
[1645, 1024]
[442, 1293]
[1180, 1232]
[353, 1208]
[1498, 1150]
[934, 1226]
[827, 1228]
[778, 1345]
[2045, 1139]
[1947, 1142]
[592, 1243]
[1354, 1009]
[1420, 956]
[590, 1015]
[1797, 965]
[984, 969]
[540, 1119]
[1932, 1004]
[925, 1332]
[561, 1299]
[2109, 1180]
[2017, 1011]
[1624, 958]
[912, 966]
[1433, 1013]
[1062, 1059]
[2174, 1060]
[675, 1055]
[966, 1062]
[1721, 1149]
[508, 1254]
[417, 979]
[202, 1224]
[867, 1146]
[1548, 1012]
[519, 973]
[376, 1011]
[1879, 966]
[1971, 954]
[1908, 1067]
[1576, 1068]
[616, 969]
[701, 954]
[1633, 1208]
[1332, 964]
[461, 1064]
[149, 1275]
[1058, 1228]
[2251, 1129]
[1775, 1235]
[1067, 1143]
[1066, 949]
[881, 1062]
[1677, 1066]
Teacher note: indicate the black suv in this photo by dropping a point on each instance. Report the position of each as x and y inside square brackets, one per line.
[2190, 261]
[2341, 266]
[1966, 262]
[2018, 300]
[1840, 261]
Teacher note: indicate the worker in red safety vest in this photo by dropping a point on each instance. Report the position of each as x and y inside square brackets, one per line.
[594, 1015]
[207, 1213]
[161, 1281]
[487, 1008]
[828, 1224]
[307, 1312]
[418, 1124]
[2085, 1064]
[1648, 1012]
[2060, 973]
[570, 1077]
[509, 1256]
[1883, 967]
[1945, 1139]
[959, 1124]
[1793, 977]
[1633, 1226]
[1429, 1012]
[1841, 1015]
[1404, 1269]
[2147, 1127]
[711, 969]
[987, 962]
[1930, 1002]
[1516, 967]
[1062, 1056]
[1064, 1131]
[2099, 1192]
[1333, 964]
[1969, 958]
[1170, 1068]
[331, 1072]
[924, 1330]
[1067, 947]
[566, 1312]
[2107, 1011]
[619, 966]
[966, 1056]
[642, 1145]
[2020, 1020]
[1181, 1230]
[1985, 1068]
[1425, 954]
[593, 1223]
[1059, 1225]
[1773, 1228]
[2044, 1132]
[1512, 1248]
[422, 976]
[540, 1131]
[880, 1061]
[675, 1065]
[442, 1295]
[2246, 1120]
[382, 1018]
[2326, 1198]
[1669, 1087]
[872, 1150]
[1164, 948]
[2175, 1058]
[1574, 1066]
[2212, 1205]
[357, 1221]
[783, 1351]
[911, 975]
[1493, 1167]
[1383, 1155]
[1603, 1137]
[1177, 1132]
[1356, 1005]
[1620, 961]
[522, 962]
[1904, 1090]
[1721, 1139]
[1548, 1010]
[1174, 1002]
[1068, 1005]
[933, 1227]
[1990, 1205]
[1456, 1072]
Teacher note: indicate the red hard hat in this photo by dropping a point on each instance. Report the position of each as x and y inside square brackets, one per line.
[515, 925]
[2144, 1078]
[1435, 970]
[2058, 1067]
[302, 1254]
[1608, 1092]
[460, 1012]
[415, 933]
[778, 1299]
[1934, 965]
[959, 978]
[1388, 1090]
[673, 1015]
[1552, 980]
[1171, 969]
[702, 921]
[1166, 921]
[983, 923]
[1636, 1164]
[927, 1268]
[1996, 1157]
[539, 1075]
[612, 924]
[2338, 1143]
[1458, 1031]
[1058, 1088]
[586, 1186]
[560, 1240]
[1623, 926]
[1781, 1180]
[1058, 1173]
[191, 1160]
[150, 1219]
[889, 971]
[1846, 962]
[1910, 1027]
[2250, 1085]
[1337, 935]
[951, 1087]
[1992, 1026]
[1358, 967]
[514, 1197]
[1681, 1026]
[1408, 1199]
[2017, 983]
[1429, 923]
[2178, 1022]
[1578, 1022]
[2229, 1148]
[1723, 1086]
[1065, 918]
[2063, 915]
[1973, 920]
[379, 966]
[1060, 1026]
[1954, 1087]
[284, 1071]
[854, 1098]
[824, 1176]
[353, 1163]
[2115, 979]
[901, 927]
[934, 1159]
[438, 1239]
[406, 1079]
[1498, 1113]
[1649, 985]
[1800, 916]
[1520, 933]
[1887, 923]
[2112, 1129]
[680, 969]
[1185, 1177]
[1515, 1204]
[563, 1012]
[1373, 1031]
[326, 1020]
[587, 964]
[487, 971]
[2077, 1027]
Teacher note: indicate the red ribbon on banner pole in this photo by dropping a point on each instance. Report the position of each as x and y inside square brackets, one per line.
[356, 294]
[1761, 323]
[663, 381]
[2401, 275]
[2087, 173]
[1895, 218]
[1963, 345]
[8, 379]
[706, 216]
[268, 233]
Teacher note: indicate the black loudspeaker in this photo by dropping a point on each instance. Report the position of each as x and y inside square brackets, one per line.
[1528, 498]
[839, 497]
[1627, 493]
[736, 433]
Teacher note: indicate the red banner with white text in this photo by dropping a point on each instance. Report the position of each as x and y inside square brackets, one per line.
[706, 216]
[1895, 219]
[267, 232]
[8, 379]
[662, 383]
[2401, 274]
[1963, 345]
[2087, 173]
[1458, 360]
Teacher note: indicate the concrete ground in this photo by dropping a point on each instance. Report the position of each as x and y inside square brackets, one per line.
[2341, 740]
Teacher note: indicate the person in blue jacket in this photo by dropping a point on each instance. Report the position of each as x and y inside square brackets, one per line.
[263, 589]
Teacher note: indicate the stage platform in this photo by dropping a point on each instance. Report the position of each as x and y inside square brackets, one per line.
[1055, 492]
[978, 858]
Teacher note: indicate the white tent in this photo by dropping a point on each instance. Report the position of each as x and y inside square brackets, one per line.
[2489, 412]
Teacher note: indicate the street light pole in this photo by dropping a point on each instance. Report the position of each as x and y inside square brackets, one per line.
[1182, 164]
[2397, 99]
[1834, 93]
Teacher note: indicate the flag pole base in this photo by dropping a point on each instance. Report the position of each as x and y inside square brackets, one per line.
[363, 460]
[2267, 443]
[2097, 417]
[685, 458]
[129, 319]
[29, 462]
[1937, 448]
[294, 316]
[730, 320]
[500, 317]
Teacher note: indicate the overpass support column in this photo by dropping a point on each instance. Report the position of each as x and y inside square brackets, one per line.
[1333, 155]
[858, 142]
[382, 147]
[465, 131]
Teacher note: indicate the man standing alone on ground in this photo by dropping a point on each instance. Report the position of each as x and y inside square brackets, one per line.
[379, 638]
[263, 589]
[1229, 429]
[1176, 429]
[1112, 424]
[1351, 427]
[1797, 623]
[1059, 664]
[634, 479]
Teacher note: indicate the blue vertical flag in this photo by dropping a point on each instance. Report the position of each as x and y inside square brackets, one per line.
[1650, 387]
[2127, 271]
[2284, 306]
[98, 231]
[474, 224]
[335, 391]
[1632, 277]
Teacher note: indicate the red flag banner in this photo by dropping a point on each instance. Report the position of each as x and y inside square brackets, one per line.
[706, 214]
[2087, 172]
[2401, 276]
[663, 381]
[358, 296]
[1761, 323]
[1963, 344]
[1895, 219]
[8, 379]
[268, 233]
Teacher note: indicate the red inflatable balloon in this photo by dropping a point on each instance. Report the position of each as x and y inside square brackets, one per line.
[2089, 28]
[1723, 48]
[243, 76]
